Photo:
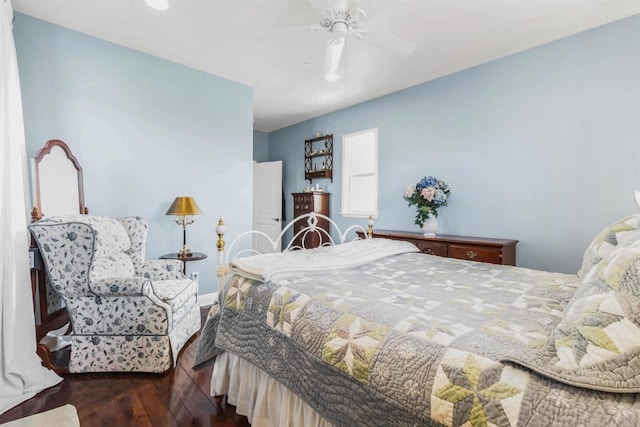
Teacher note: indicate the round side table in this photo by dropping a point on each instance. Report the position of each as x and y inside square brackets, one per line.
[195, 256]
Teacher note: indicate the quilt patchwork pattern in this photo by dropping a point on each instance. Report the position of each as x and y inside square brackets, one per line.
[596, 344]
[431, 328]
[473, 390]
[284, 307]
[610, 238]
[417, 340]
[351, 345]
[595, 329]
[238, 291]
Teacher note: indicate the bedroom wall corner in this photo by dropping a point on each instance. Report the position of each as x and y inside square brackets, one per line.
[145, 130]
[260, 146]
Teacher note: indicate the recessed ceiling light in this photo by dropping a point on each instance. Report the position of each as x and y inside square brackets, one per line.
[158, 4]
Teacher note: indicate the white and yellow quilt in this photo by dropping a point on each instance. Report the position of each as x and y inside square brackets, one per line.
[414, 340]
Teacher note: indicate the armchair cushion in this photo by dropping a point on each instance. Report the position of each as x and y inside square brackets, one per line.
[175, 292]
[118, 265]
[121, 286]
[161, 269]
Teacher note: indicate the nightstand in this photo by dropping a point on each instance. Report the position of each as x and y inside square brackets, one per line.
[196, 256]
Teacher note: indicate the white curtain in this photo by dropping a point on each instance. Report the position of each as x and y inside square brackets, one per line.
[21, 374]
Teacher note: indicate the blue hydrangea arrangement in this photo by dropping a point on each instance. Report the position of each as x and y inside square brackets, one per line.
[428, 195]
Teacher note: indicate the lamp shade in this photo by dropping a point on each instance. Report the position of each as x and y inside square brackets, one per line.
[184, 206]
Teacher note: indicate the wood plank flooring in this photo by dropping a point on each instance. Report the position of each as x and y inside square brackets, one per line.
[179, 397]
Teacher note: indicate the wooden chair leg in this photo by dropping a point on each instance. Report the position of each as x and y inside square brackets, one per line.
[47, 361]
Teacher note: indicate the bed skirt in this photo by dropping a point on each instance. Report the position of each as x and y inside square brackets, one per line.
[262, 399]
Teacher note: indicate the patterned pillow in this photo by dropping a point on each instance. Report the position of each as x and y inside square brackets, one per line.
[596, 344]
[622, 233]
[600, 331]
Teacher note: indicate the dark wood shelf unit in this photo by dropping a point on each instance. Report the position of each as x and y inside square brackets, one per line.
[320, 146]
[318, 174]
[313, 156]
[482, 249]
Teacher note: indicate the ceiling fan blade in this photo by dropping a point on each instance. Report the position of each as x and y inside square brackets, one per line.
[322, 5]
[344, 4]
[319, 5]
[339, 4]
[298, 29]
[388, 41]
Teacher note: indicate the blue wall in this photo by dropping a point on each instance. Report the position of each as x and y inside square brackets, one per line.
[260, 146]
[144, 130]
[542, 146]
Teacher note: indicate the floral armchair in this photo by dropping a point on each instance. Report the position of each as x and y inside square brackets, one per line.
[127, 314]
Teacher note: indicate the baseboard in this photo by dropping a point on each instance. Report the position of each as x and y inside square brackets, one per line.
[207, 299]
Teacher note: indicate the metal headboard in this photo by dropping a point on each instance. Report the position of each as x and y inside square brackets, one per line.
[311, 228]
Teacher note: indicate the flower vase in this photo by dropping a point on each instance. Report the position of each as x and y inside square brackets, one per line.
[430, 226]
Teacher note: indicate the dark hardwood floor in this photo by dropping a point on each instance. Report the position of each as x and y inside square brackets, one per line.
[179, 397]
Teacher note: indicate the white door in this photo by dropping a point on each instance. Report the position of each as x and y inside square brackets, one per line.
[267, 204]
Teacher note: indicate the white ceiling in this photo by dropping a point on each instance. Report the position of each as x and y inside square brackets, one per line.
[247, 41]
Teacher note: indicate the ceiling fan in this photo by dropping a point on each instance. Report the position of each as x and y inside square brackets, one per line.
[344, 20]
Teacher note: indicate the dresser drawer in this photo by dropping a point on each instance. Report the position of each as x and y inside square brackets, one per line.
[476, 253]
[302, 209]
[431, 248]
[303, 198]
[483, 249]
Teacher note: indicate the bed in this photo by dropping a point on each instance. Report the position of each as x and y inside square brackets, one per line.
[372, 333]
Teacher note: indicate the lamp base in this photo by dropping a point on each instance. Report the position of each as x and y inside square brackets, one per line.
[185, 252]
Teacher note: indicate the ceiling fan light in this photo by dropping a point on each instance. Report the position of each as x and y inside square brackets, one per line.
[158, 4]
[332, 58]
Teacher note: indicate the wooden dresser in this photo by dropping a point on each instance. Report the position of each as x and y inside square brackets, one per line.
[307, 202]
[495, 251]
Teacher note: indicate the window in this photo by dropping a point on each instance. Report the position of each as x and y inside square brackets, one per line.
[360, 174]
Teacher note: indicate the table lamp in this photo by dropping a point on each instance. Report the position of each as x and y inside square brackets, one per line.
[184, 207]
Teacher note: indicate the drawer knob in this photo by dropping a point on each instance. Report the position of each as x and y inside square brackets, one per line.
[472, 254]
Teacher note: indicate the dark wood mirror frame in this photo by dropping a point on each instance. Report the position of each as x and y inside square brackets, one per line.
[37, 211]
[48, 321]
